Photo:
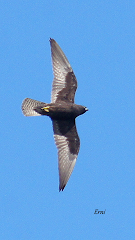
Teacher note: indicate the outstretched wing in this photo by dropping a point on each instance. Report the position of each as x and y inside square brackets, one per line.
[68, 144]
[64, 83]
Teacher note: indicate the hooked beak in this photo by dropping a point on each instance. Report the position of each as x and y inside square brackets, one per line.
[86, 109]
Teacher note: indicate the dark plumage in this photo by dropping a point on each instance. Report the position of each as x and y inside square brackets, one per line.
[62, 112]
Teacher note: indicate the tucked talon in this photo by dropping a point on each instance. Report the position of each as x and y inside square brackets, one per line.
[46, 109]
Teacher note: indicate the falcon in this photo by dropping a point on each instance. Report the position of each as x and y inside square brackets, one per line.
[62, 110]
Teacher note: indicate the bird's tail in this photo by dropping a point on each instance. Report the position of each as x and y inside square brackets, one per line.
[29, 107]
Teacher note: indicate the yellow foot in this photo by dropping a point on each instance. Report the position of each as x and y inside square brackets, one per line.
[46, 109]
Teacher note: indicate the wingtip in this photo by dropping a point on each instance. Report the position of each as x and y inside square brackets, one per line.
[51, 40]
[61, 188]
[53, 43]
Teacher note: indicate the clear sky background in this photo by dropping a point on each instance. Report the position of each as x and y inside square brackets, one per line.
[98, 38]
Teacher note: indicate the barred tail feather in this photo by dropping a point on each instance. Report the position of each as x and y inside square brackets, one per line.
[29, 105]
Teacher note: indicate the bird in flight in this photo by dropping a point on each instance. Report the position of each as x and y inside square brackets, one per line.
[62, 110]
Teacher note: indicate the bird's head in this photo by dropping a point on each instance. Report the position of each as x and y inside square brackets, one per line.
[80, 110]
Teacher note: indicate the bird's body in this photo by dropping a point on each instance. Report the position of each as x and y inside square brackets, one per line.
[62, 110]
[56, 110]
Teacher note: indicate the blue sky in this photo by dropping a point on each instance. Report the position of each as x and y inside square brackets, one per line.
[98, 38]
